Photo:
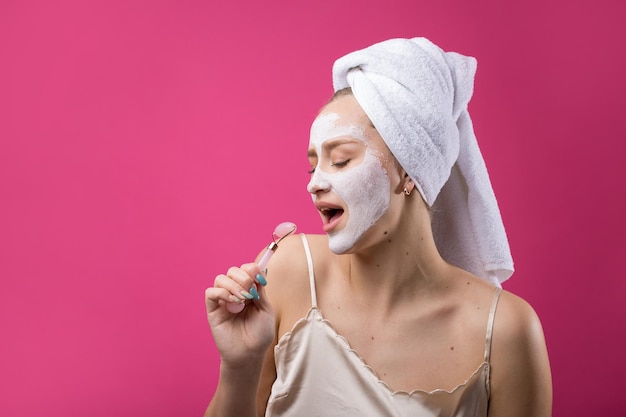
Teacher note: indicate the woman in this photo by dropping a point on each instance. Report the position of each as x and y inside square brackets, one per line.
[393, 310]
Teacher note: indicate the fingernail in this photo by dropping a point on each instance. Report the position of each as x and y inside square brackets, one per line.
[261, 279]
[254, 293]
[247, 294]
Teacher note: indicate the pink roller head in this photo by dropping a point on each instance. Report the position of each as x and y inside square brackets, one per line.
[282, 231]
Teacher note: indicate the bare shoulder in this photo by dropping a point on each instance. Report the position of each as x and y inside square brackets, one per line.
[288, 279]
[516, 326]
[516, 312]
[520, 370]
[286, 271]
[288, 260]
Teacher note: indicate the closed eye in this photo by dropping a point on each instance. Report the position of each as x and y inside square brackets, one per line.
[340, 164]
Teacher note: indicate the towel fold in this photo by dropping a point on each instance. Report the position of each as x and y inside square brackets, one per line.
[416, 95]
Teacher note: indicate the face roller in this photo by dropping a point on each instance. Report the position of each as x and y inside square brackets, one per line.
[280, 232]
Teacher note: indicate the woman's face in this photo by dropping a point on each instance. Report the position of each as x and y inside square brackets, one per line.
[349, 162]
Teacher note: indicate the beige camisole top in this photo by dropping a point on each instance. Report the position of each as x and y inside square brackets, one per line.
[318, 374]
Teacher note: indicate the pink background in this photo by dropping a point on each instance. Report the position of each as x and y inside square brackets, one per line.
[146, 146]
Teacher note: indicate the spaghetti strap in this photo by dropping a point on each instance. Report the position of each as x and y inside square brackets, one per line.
[309, 261]
[492, 315]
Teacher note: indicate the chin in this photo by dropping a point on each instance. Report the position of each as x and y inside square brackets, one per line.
[343, 242]
[339, 248]
[340, 244]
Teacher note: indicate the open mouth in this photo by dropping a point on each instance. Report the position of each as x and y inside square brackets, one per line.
[331, 214]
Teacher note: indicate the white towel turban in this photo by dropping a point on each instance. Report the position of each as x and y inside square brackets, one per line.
[416, 95]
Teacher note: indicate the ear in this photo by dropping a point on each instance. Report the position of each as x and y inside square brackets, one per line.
[407, 184]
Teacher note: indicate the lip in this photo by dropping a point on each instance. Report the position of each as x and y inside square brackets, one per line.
[331, 225]
[331, 215]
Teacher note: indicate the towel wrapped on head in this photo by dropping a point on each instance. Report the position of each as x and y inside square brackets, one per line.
[416, 95]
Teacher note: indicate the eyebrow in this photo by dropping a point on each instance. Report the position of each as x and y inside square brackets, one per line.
[333, 143]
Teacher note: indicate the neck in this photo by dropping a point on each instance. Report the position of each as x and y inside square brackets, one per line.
[403, 264]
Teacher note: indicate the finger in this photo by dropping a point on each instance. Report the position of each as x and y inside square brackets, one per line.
[235, 308]
[262, 303]
[244, 277]
[233, 284]
[254, 271]
[213, 296]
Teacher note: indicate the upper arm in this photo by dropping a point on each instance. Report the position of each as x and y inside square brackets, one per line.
[268, 375]
[521, 382]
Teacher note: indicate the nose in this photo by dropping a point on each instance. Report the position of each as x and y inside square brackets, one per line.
[318, 182]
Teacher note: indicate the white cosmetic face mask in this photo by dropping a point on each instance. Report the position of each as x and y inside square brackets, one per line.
[364, 189]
